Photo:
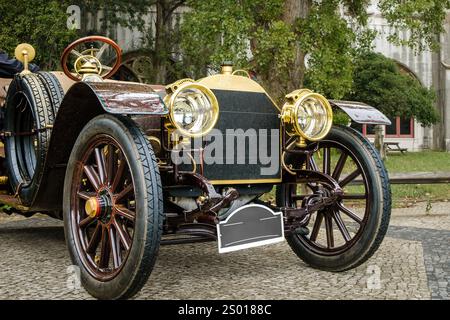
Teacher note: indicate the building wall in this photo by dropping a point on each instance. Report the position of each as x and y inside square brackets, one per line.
[429, 70]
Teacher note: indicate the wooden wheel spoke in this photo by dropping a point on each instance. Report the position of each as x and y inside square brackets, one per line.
[95, 240]
[340, 166]
[110, 164]
[349, 213]
[341, 226]
[86, 222]
[313, 164]
[105, 249]
[119, 174]
[327, 161]
[101, 164]
[329, 231]
[352, 176]
[113, 245]
[126, 213]
[316, 227]
[123, 235]
[85, 195]
[127, 190]
[92, 176]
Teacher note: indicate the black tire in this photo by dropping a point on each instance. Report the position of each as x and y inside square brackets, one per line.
[54, 89]
[28, 108]
[377, 211]
[148, 224]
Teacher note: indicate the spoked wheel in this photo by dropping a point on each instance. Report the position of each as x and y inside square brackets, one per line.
[348, 232]
[113, 207]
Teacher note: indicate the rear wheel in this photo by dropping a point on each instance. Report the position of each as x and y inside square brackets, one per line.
[113, 207]
[347, 233]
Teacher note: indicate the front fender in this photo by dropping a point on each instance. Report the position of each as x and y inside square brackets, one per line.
[361, 112]
[127, 98]
[83, 102]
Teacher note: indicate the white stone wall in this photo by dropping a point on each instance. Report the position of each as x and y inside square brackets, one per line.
[427, 67]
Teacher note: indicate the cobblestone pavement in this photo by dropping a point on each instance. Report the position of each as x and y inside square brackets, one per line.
[412, 263]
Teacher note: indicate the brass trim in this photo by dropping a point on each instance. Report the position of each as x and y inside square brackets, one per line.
[289, 115]
[169, 100]
[171, 88]
[156, 143]
[25, 53]
[226, 70]
[235, 83]
[4, 180]
[235, 73]
[88, 65]
[92, 207]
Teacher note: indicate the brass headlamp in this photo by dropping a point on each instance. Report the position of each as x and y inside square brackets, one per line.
[307, 115]
[193, 108]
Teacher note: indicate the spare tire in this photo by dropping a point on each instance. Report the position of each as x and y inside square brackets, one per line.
[28, 121]
[54, 89]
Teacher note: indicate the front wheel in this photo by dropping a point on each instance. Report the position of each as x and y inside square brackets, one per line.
[113, 207]
[347, 233]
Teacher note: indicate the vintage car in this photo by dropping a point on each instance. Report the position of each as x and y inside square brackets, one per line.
[130, 166]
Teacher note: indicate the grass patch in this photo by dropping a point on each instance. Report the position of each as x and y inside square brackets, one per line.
[407, 195]
[426, 161]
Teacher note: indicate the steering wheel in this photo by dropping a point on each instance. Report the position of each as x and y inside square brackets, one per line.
[91, 49]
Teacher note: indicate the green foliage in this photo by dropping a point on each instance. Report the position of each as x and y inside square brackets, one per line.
[341, 118]
[213, 32]
[423, 19]
[127, 13]
[379, 82]
[328, 40]
[41, 23]
[258, 34]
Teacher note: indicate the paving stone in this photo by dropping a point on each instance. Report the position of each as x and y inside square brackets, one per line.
[413, 260]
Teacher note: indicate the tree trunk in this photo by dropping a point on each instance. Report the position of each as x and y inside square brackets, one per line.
[160, 43]
[278, 88]
[294, 10]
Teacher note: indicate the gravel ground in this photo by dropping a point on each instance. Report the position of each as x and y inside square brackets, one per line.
[412, 263]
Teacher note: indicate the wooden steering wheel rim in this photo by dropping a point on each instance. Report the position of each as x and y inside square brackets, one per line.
[66, 53]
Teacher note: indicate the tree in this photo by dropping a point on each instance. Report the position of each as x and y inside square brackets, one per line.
[377, 81]
[41, 23]
[277, 37]
[161, 38]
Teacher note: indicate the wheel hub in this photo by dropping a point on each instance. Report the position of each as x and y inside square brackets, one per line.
[100, 206]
